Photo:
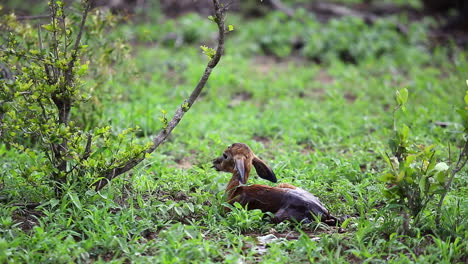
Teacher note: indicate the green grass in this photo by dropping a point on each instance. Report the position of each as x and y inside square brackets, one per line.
[322, 127]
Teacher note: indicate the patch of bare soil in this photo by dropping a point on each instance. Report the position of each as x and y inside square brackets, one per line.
[314, 93]
[184, 163]
[262, 139]
[294, 235]
[174, 76]
[318, 93]
[149, 234]
[239, 97]
[307, 149]
[264, 64]
[324, 77]
[163, 196]
[350, 97]
[27, 218]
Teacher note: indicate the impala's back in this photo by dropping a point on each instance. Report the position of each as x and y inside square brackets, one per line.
[299, 204]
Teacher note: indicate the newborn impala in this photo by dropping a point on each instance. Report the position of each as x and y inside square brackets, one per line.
[285, 201]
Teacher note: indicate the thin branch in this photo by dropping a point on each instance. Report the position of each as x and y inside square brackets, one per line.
[32, 17]
[277, 4]
[76, 47]
[334, 9]
[462, 160]
[1, 123]
[26, 205]
[53, 12]
[41, 48]
[87, 151]
[341, 10]
[64, 32]
[110, 174]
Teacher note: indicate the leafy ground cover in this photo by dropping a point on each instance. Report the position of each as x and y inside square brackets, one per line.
[320, 114]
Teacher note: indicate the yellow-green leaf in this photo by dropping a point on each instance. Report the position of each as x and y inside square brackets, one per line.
[48, 27]
[466, 96]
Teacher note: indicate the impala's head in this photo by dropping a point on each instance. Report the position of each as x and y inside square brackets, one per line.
[239, 158]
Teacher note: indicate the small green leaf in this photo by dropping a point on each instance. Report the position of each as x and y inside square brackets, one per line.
[345, 223]
[178, 211]
[48, 27]
[405, 132]
[99, 151]
[466, 96]
[402, 96]
[423, 184]
[208, 51]
[230, 28]
[83, 69]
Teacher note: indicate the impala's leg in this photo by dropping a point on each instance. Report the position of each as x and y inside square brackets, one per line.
[332, 221]
[281, 215]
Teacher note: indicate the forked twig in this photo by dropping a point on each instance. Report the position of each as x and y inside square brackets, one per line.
[107, 175]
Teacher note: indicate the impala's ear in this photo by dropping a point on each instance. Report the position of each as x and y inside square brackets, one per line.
[263, 170]
[240, 168]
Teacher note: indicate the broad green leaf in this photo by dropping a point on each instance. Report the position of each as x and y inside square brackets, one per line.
[98, 151]
[441, 177]
[238, 206]
[441, 166]
[400, 176]
[75, 200]
[402, 96]
[405, 132]
[410, 159]
[387, 177]
[422, 184]
[178, 211]
[190, 207]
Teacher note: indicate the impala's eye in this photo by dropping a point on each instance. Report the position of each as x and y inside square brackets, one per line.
[225, 156]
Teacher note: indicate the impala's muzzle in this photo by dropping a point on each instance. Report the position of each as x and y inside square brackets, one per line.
[217, 163]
